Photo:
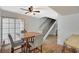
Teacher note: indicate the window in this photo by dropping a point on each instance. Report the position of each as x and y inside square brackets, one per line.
[0, 34]
[12, 26]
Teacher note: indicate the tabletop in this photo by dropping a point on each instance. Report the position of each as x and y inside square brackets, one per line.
[30, 34]
[73, 41]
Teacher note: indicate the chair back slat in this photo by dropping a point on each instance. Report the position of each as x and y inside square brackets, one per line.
[38, 40]
[11, 40]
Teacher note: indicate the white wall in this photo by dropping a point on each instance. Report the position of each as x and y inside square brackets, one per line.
[67, 25]
[32, 24]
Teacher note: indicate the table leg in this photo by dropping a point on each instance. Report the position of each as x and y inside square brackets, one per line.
[63, 49]
[27, 45]
[74, 50]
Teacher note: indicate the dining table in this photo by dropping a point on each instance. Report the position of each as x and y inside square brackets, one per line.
[29, 37]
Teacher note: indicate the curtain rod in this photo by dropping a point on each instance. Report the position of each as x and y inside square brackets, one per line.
[10, 17]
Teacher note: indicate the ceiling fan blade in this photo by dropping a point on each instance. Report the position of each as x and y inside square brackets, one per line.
[26, 12]
[37, 11]
[23, 9]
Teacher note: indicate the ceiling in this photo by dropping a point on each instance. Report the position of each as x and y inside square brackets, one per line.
[45, 11]
[66, 10]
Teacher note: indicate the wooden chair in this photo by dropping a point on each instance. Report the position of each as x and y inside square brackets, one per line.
[37, 44]
[16, 44]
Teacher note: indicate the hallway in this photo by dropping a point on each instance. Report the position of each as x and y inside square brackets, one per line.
[49, 45]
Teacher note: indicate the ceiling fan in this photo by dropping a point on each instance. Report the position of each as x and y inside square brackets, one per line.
[30, 10]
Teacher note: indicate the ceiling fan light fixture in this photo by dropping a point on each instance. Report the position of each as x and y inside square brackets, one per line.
[30, 10]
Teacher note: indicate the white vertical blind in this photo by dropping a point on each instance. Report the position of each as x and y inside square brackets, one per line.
[12, 26]
[0, 34]
[5, 26]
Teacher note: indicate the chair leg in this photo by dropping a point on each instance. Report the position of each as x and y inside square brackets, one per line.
[74, 50]
[34, 50]
[41, 48]
[22, 48]
[29, 49]
[12, 50]
[63, 49]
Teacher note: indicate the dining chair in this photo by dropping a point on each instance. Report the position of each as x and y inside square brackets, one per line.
[15, 44]
[37, 44]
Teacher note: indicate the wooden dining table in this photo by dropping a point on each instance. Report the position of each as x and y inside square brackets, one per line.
[29, 36]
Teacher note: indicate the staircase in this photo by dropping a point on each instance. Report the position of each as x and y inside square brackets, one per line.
[47, 26]
[47, 33]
